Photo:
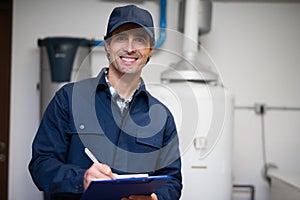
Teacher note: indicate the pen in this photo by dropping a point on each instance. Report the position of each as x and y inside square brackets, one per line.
[105, 169]
[90, 155]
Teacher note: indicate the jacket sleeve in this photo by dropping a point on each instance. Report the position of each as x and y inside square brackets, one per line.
[48, 166]
[170, 164]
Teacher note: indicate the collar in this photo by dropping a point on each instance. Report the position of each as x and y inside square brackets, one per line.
[103, 86]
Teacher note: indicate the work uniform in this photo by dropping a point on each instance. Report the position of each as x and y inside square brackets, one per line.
[139, 138]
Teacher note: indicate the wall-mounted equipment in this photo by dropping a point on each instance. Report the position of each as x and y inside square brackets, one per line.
[63, 60]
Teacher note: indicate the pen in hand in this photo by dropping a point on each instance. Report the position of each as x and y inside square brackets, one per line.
[103, 167]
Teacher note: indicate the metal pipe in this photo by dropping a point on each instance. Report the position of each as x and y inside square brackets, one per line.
[260, 109]
[191, 26]
[266, 108]
[251, 187]
[263, 140]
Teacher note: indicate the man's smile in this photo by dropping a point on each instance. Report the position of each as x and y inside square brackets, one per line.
[128, 59]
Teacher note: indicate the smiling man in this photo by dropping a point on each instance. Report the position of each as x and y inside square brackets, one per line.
[128, 49]
[137, 132]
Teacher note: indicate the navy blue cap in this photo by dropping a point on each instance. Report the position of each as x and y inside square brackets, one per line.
[130, 14]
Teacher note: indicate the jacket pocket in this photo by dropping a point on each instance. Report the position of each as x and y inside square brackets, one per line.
[154, 142]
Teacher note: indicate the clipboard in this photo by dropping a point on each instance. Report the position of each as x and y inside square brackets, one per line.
[115, 189]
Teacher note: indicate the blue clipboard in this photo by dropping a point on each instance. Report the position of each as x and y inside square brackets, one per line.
[115, 189]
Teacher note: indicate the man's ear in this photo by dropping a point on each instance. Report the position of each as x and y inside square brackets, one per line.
[151, 50]
[106, 47]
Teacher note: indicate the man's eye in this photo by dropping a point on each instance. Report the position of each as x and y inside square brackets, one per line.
[141, 40]
[121, 38]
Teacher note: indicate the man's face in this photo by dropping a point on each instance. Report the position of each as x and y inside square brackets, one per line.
[129, 48]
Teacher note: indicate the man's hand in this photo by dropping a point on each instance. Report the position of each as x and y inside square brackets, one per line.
[97, 171]
[141, 197]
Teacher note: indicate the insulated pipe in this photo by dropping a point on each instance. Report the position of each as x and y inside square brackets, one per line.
[162, 33]
[162, 24]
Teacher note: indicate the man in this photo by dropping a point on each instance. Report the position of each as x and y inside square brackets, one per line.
[127, 129]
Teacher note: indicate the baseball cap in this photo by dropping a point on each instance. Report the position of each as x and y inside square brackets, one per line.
[130, 14]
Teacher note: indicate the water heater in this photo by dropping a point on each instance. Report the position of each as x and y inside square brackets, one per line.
[203, 112]
[63, 60]
[203, 115]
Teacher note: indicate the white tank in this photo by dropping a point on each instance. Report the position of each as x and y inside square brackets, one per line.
[204, 118]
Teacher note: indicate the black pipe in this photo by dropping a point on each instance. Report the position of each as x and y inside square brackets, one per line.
[251, 187]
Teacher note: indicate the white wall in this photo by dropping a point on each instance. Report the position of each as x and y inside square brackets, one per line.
[255, 46]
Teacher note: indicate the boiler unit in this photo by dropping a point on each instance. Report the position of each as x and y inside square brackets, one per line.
[203, 112]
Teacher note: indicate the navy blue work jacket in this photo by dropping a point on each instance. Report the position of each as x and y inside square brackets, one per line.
[83, 114]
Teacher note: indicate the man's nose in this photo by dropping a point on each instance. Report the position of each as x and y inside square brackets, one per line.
[130, 47]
